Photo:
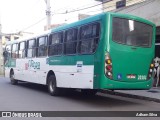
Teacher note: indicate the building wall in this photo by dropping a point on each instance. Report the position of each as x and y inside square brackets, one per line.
[150, 9]
[11, 37]
[111, 4]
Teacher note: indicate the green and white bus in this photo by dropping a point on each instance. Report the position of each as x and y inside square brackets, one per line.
[106, 51]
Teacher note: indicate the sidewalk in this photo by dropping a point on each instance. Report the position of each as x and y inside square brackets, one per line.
[151, 95]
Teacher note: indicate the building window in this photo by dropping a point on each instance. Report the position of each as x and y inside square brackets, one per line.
[55, 44]
[120, 4]
[89, 37]
[70, 42]
[42, 46]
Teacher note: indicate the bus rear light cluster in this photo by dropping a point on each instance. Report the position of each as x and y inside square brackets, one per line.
[108, 66]
[150, 72]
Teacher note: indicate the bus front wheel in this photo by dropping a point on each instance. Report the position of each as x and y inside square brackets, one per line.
[52, 86]
[12, 79]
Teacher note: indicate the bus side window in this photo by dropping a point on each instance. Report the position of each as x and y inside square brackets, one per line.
[14, 53]
[22, 50]
[70, 41]
[7, 53]
[31, 48]
[42, 46]
[55, 44]
[89, 37]
[8, 50]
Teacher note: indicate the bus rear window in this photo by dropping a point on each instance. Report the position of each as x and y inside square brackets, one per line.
[130, 32]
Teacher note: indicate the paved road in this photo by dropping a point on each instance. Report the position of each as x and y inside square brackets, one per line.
[33, 97]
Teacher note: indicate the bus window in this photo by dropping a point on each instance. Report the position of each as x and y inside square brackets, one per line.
[22, 50]
[31, 48]
[8, 50]
[70, 42]
[55, 44]
[89, 37]
[14, 50]
[7, 53]
[130, 32]
[42, 46]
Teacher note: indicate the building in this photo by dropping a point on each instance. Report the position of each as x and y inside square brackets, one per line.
[109, 5]
[53, 26]
[13, 36]
[82, 16]
[148, 9]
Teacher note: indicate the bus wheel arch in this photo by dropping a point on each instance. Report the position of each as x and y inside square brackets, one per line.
[12, 77]
[52, 84]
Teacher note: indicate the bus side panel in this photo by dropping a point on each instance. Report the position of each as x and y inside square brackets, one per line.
[73, 71]
[9, 64]
[7, 72]
[68, 77]
[31, 70]
[99, 56]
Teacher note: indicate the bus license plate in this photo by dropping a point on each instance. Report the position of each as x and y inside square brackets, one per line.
[131, 76]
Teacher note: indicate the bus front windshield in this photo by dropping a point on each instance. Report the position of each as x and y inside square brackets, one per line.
[131, 32]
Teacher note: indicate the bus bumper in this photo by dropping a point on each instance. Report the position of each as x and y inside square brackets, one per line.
[122, 85]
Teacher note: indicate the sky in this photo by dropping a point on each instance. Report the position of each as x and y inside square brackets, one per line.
[30, 16]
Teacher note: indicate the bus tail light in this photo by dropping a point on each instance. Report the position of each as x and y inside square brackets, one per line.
[108, 66]
[150, 72]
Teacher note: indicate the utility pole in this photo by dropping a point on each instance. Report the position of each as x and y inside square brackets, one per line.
[48, 13]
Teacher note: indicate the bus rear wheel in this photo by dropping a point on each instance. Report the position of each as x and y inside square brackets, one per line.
[52, 86]
[12, 79]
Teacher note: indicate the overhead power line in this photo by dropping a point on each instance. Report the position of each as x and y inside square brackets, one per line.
[101, 9]
[34, 24]
[112, 5]
[80, 9]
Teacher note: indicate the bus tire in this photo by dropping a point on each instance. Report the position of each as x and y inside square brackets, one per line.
[89, 92]
[12, 79]
[52, 86]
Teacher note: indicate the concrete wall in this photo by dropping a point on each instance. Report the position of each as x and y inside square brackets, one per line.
[111, 5]
[150, 9]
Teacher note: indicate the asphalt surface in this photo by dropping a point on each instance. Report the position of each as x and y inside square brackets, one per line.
[34, 97]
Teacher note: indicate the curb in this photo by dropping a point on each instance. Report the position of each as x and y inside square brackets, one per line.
[130, 95]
